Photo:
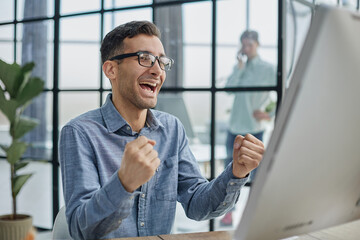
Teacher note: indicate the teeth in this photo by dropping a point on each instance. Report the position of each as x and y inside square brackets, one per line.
[149, 83]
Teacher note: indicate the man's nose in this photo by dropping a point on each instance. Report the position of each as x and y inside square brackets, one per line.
[156, 69]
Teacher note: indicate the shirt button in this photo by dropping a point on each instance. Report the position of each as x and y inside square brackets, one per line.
[119, 221]
[142, 224]
[232, 184]
[224, 204]
[131, 197]
[143, 195]
[157, 169]
[128, 128]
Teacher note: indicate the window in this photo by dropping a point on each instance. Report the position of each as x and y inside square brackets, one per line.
[202, 36]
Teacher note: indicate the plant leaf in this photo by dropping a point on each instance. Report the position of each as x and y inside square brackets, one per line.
[23, 77]
[3, 147]
[31, 89]
[20, 165]
[23, 126]
[15, 151]
[8, 75]
[8, 107]
[19, 181]
[28, 67]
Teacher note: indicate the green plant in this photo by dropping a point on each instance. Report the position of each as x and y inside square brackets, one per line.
[17, 89]
[270, 107]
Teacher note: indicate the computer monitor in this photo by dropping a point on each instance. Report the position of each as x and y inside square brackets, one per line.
[309, 178]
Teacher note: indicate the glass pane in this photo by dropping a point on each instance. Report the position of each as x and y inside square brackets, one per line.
[197, 23]
[197, 66]
[264, 19]
[329, 2]
[234, 116]
[224, 104]
[83, 28]
[245, 73]
[5, 138]
[104, 95]
[269, 55]
[61, 190]
[7, 51]
[350, 4]
[32, 37]
[80, 52]
[125, 3]
[7, 43]
[69, 6]
[35, 198]
[35, 44]
[41, 137]
[114, 19]
[167, 20]
[226, 59]
[298, 20]
[228, 37]
[226, 10]
[34, 8]
[196, 45]
[261, 71]
[72, 104]
[75, 73]
[6, 11]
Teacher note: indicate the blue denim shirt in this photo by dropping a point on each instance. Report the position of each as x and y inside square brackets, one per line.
[97, 205]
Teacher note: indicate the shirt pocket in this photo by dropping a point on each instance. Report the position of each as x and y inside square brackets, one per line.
[167, 179]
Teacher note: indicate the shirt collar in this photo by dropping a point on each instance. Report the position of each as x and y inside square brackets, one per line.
[255, 60]
[114, 121]
[152, 121]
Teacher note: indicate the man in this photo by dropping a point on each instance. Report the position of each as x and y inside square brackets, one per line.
[124, 166]
[249, 107]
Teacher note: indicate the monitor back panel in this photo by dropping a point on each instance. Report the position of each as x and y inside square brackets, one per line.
[309, 178]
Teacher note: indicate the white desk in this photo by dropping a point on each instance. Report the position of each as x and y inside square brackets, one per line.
[349, 231]
[202, 152]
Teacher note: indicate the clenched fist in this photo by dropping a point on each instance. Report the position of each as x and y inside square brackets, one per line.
[138, 164]
[247, 154]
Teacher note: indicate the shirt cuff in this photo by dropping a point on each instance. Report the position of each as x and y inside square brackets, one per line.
[117, 194]
[234, 183]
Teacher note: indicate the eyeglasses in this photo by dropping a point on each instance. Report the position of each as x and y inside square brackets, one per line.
[146, 59]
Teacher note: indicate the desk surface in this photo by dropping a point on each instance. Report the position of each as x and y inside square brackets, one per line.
[217, 235]
[349, 231]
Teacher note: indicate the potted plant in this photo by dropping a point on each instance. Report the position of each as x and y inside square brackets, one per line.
[17, 89]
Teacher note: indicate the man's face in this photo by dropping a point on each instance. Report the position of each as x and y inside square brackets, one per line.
[137, 85]
[249, 47]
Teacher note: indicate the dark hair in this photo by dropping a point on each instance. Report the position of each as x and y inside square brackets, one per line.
[112, 43]
[250, 34]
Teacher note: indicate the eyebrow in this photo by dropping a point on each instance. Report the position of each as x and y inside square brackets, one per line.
[144, 51]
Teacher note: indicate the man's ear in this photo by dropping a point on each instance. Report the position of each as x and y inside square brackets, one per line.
[110, 69]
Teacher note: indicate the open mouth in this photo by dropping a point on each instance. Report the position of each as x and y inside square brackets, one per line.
[148, 86]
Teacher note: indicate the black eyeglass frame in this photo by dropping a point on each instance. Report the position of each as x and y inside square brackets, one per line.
[138, 54]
